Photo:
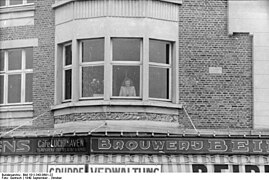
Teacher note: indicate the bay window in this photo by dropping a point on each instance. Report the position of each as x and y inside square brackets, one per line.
[16, 76]
[117, 71]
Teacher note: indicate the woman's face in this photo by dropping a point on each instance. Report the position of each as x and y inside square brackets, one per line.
[127, 83]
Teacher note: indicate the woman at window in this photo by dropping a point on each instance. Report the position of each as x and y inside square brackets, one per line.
[127, 88]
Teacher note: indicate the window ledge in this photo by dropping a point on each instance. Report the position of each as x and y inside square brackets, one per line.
[117, 103]
[14, 108]
[59, 3]
[100, 106]
[20, 8]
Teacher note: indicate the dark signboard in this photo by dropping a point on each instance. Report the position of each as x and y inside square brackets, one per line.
[132, 145]
[44, 145]
[179, 145]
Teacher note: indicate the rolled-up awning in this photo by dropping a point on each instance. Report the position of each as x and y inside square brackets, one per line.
[168, 163]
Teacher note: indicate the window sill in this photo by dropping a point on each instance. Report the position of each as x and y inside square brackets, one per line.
[116, 106]
[17, 8]
[17, 107]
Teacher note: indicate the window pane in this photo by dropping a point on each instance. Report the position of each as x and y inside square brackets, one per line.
[2, 3]
[1, 89]
[28, 88]
[93, 50]
[126, 81]
[14, 88]
[2, 60]
[29, 58]
[68, 55]
[30, 1]
[126, 50]
[159, 83]
[68, 84]
[93, 81]
[159, 51]
[15, 2]
[14, 59]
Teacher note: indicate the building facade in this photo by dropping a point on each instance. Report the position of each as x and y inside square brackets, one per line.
[175, 85]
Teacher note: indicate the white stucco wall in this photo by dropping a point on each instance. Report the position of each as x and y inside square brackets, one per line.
[253, 16]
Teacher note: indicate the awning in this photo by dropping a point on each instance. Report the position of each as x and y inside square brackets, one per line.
[169, 163]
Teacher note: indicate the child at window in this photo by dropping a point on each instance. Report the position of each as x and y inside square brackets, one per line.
[127, 88]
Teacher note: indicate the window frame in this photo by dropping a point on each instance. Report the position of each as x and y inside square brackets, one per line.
[164, 66]
[89, 64]
[7, 4]
[23, 71]
[128, 63]
[64, 69]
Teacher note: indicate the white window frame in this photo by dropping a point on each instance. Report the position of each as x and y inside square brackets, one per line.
[89, 64]
[165, 66]
[108, 63]
[65, 68]
[127, 63]
[24, 2]
[23, 71]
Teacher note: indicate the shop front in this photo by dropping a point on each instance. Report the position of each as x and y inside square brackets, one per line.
[134, 154]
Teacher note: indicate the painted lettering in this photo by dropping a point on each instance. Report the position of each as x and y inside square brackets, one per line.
[240, 146]
[131, 145]
[196, 168]
[143, 146]
[257, 145]
[171, 145]
[217, 145]
[197, 145]
[183, 145]
[252, 168]
[158, 145]
[118, 144]
[10, 146]
[104, 144]
[23, 146]
[219, 167]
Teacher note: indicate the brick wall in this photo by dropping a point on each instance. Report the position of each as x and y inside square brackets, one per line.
[214, 100]
[43, 84]
[43, 61]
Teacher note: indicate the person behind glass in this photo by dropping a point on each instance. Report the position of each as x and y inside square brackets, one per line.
[127, 88]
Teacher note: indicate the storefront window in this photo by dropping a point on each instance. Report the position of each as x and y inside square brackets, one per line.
[6, 3]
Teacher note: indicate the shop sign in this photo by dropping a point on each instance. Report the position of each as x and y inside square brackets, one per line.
[218, 168]
[124, 169]
[43, 145]
[66, 168]
[179, 145]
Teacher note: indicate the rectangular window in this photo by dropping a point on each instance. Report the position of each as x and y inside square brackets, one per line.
[67, 66]
[126, 49]
[15, 2]
[14, 88]
[16, 76]
[159, 69]
[127, 62]
[126, 81]
[92, 68]
[93, 81]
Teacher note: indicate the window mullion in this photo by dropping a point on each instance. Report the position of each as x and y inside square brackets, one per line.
[108, 69]
[5, 77]
[145, 69]
[23, 76]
